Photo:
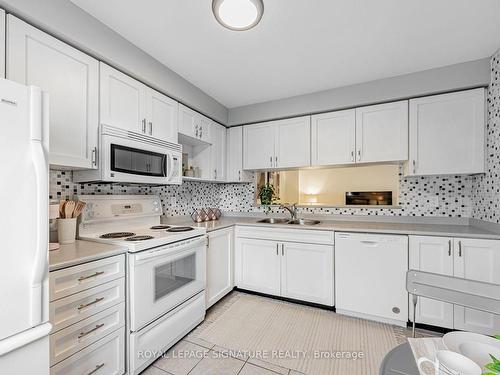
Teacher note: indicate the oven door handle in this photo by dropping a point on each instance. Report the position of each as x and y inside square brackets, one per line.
[171, 249]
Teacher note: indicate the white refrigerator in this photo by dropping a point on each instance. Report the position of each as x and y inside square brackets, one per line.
[24, 321]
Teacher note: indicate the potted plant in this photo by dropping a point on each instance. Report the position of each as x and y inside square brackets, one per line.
[494, 365]
[267, 196]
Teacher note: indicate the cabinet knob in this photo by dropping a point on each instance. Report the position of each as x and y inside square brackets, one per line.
[94, 156]
[144, 125]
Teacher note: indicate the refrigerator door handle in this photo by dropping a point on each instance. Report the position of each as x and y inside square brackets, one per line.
[40, 165]
[24, 338]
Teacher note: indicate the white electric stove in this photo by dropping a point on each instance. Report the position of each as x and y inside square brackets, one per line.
[165, 270]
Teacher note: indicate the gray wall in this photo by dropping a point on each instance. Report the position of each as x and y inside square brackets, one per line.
[66, 21]
[450, 78]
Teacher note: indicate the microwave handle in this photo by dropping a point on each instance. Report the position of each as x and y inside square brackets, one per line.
[169, 164]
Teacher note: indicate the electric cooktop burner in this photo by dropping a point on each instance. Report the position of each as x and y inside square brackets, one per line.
[139, 238]
[160, 227]
[180, 229]
[117, 235]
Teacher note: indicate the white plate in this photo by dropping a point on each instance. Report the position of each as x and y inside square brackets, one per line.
[479, 353]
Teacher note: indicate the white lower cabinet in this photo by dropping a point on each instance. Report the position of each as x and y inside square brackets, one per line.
[104, 357]
[219, 265]
[477, 260]
[472, 259]
[258, 265]
[432, 254]
[307, 272]
[297, 270]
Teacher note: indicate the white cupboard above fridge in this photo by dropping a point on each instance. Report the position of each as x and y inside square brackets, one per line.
[278, 144]
[128, 104]
[447, 134]
[72, 80]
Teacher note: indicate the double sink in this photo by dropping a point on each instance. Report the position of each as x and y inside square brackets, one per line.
[275, 220]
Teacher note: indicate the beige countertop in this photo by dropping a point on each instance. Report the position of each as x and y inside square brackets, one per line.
[81, 252]
[384, 227]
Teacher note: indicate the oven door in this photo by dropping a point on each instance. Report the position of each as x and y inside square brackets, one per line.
[163, 278]
[134, 161]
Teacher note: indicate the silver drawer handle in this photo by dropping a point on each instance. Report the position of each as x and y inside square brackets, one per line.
[90, 276]
[90, 303]
[83, 334]
[97, 368]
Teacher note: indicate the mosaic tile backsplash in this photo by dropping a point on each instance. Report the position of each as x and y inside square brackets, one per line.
[486, 188]
[457, 196]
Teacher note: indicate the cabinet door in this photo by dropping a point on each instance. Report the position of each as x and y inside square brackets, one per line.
[189, 122]
[71, 78]
[2, 43]
[477, 260]
[205, 129]
[234, 160]
[432, 254]
[447, 134]
[123, 100]
[382, 132]
[162, 116]
[218, 152]
[219, 265]
[258, 146]
[258, 265]
[333, 137]
[307, 272]
[293, 142]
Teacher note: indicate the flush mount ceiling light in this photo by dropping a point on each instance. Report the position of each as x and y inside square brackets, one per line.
[238, 15]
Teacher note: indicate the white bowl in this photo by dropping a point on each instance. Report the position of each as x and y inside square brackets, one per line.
[479, 353]
[453, 340]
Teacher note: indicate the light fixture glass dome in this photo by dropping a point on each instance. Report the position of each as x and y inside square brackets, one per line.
[238, 15]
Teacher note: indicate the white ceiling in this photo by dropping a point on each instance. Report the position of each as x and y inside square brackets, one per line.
[303, 46]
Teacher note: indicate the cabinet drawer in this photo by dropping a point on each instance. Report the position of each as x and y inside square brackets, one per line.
[104, 357]
[70, 310]
[164, 332]
[74, 338]
[75, 279]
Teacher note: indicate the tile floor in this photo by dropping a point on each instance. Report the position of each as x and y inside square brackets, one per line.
[197, 357]
[194, 356]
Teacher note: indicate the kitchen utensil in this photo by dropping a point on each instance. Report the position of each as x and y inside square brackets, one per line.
[453, 340]
[451, 363]
[78, 208]
[66, 230]
[62, 203]
[69, 207]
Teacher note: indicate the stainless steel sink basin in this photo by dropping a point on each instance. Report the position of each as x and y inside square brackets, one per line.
[304, 222]
[273, 220]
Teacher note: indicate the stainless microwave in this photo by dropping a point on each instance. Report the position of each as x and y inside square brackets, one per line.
[130, 157]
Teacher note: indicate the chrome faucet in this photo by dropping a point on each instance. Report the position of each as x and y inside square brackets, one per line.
[292, 209]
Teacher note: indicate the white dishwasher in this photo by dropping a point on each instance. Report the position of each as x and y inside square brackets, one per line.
[370, 276]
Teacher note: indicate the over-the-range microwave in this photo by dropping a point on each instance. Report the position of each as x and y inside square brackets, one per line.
[129, 157]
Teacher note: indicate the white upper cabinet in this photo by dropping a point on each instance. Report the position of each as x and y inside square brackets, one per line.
[72, 80]
[447, 134]
[277, 144]
[129, 104]
[162, 115]
[477, 260]
[382, 132]
[258, 146]
[218, 151]
[123, 100]
[2, 43]
[333, 137]
[193, 124]
[432, 254]
[293, 142]
[234, 144]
